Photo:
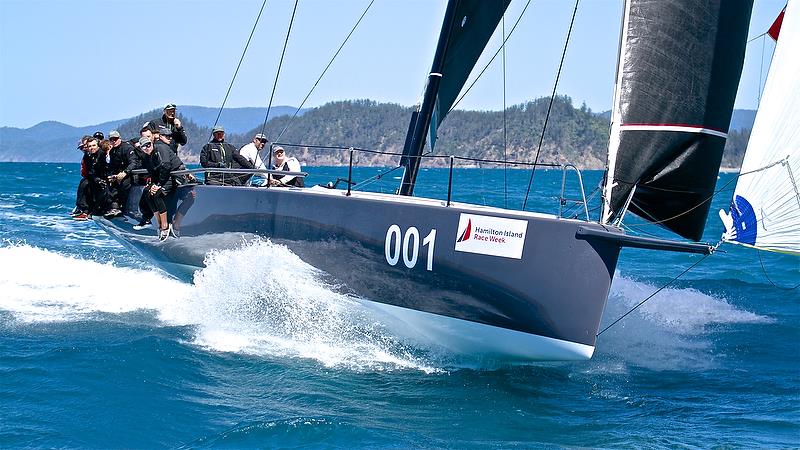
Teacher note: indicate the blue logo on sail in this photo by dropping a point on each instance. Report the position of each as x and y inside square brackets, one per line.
[744, 220]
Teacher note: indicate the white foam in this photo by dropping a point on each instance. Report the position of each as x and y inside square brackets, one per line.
[262, 299]
[669, 331]
[684, 310]
[245, 301]
[43, 286]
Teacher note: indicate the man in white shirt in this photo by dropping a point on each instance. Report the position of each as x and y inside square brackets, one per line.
[251, 153]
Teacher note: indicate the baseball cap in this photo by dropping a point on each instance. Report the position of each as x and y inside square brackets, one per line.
[217, 128]
[143, 141]
[260, 136]
[170, 106]
[98, 135]
[113, 134]
[148, 126]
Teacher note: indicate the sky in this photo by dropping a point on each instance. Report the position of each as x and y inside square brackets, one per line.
[84, 62]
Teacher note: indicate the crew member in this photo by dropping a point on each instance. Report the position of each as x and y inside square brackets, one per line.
[97, 173]
[83, 198]
[289, 164]
[220, 154]
[250, 152]
[120, 180]
[171, 129]
[160, 161]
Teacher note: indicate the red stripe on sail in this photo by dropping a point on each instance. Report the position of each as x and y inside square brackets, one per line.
[685, 125]
[775, 29]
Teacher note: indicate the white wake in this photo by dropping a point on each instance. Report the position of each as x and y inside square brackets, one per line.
[259, 299]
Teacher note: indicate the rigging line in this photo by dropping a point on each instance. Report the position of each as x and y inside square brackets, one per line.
[505, 139]
[760, 35]
[764, 269]
[761, 69]
[656, 222]
[325, 70]
[653, 294]
[240, 63]
[490, 60]
[550, 106]
[377, 177]
[280, 64]
[721, 189]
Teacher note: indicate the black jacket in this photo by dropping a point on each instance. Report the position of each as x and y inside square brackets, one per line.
[120, 157]
[177, 135]
[220, 154]
[161, 161]
[96, 167]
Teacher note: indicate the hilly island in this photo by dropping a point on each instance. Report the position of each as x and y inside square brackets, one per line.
[574, 135]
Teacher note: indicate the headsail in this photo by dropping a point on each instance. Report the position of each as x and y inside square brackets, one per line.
[765, 211]
[468, 25]
[677, 77]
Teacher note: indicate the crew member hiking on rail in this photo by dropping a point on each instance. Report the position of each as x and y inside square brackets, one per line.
[220, 154]
[250, 153]
[159, 162]
[289, 164]
[83, 198]
[120, 180]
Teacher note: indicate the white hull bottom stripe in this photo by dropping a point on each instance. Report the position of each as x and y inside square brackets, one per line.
[679, 128]
[472, 339]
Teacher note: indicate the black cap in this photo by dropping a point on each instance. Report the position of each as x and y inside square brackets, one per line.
[98, 135]
[149, 125]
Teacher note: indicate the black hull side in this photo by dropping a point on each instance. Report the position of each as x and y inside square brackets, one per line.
[556, 289]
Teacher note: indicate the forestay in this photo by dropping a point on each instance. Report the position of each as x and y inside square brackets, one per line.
[765, 210]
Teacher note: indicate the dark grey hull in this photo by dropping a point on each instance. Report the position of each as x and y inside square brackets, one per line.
[538, 294]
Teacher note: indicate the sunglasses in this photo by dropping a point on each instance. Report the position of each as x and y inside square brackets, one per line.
[148, 145]
[113, 139]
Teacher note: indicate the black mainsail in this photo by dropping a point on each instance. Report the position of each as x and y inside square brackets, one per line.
[677, 77]
[467, 27]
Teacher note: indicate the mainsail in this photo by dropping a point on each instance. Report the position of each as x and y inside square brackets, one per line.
[765, 210]
[468, 25]
[677, 77]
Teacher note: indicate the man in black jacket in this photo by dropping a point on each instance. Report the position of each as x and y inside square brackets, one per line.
[83, 200]
[159, 161]
[170, 128]
[123, 155]
[97, 173]
[220, 154]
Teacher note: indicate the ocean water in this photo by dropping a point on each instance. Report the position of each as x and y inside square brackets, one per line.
[98, 349]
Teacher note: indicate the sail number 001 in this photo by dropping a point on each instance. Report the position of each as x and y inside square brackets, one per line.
[406, 245]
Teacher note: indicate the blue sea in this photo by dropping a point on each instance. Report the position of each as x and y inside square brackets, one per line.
[100, 349]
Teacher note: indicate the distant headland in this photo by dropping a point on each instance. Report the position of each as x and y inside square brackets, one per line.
[574, 134]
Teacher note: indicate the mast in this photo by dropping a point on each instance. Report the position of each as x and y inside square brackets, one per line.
[421, 119]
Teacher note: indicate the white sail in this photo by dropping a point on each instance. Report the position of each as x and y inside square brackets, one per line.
[765, 210]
